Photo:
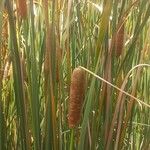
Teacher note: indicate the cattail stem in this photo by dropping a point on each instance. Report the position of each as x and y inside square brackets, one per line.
[140, 102]
[72, 139]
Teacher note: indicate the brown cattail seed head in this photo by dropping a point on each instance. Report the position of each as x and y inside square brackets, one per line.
[77, 91]
[119, 41]
[22, 8]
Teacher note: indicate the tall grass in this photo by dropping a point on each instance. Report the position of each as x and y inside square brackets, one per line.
[42, 42]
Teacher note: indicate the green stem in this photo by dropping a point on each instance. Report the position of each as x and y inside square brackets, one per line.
[72, 139]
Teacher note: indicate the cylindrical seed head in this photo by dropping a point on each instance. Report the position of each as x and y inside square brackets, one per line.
[22, 8]
[119, 42]
[77, 91]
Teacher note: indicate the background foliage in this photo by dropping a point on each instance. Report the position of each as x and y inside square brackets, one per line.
[41, 42]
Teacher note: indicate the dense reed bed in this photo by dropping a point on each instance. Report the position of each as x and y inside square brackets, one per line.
[75, 74]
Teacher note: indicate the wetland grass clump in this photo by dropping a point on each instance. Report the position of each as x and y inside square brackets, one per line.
[77, 91]
[42, 106]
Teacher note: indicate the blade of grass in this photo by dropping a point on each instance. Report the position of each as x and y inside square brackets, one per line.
[18, 84]
[103, 25]
[34, 88]
[2, 121]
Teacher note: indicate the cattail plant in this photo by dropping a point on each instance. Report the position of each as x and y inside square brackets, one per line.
[119, 42]
[77, 91]
[22, 8]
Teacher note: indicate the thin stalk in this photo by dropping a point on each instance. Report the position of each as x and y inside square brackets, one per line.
[122, 91]
[72, 140]
[2, 121]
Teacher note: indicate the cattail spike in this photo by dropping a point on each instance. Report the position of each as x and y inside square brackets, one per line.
[119, 41]
[77, 91]
[22, 8]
